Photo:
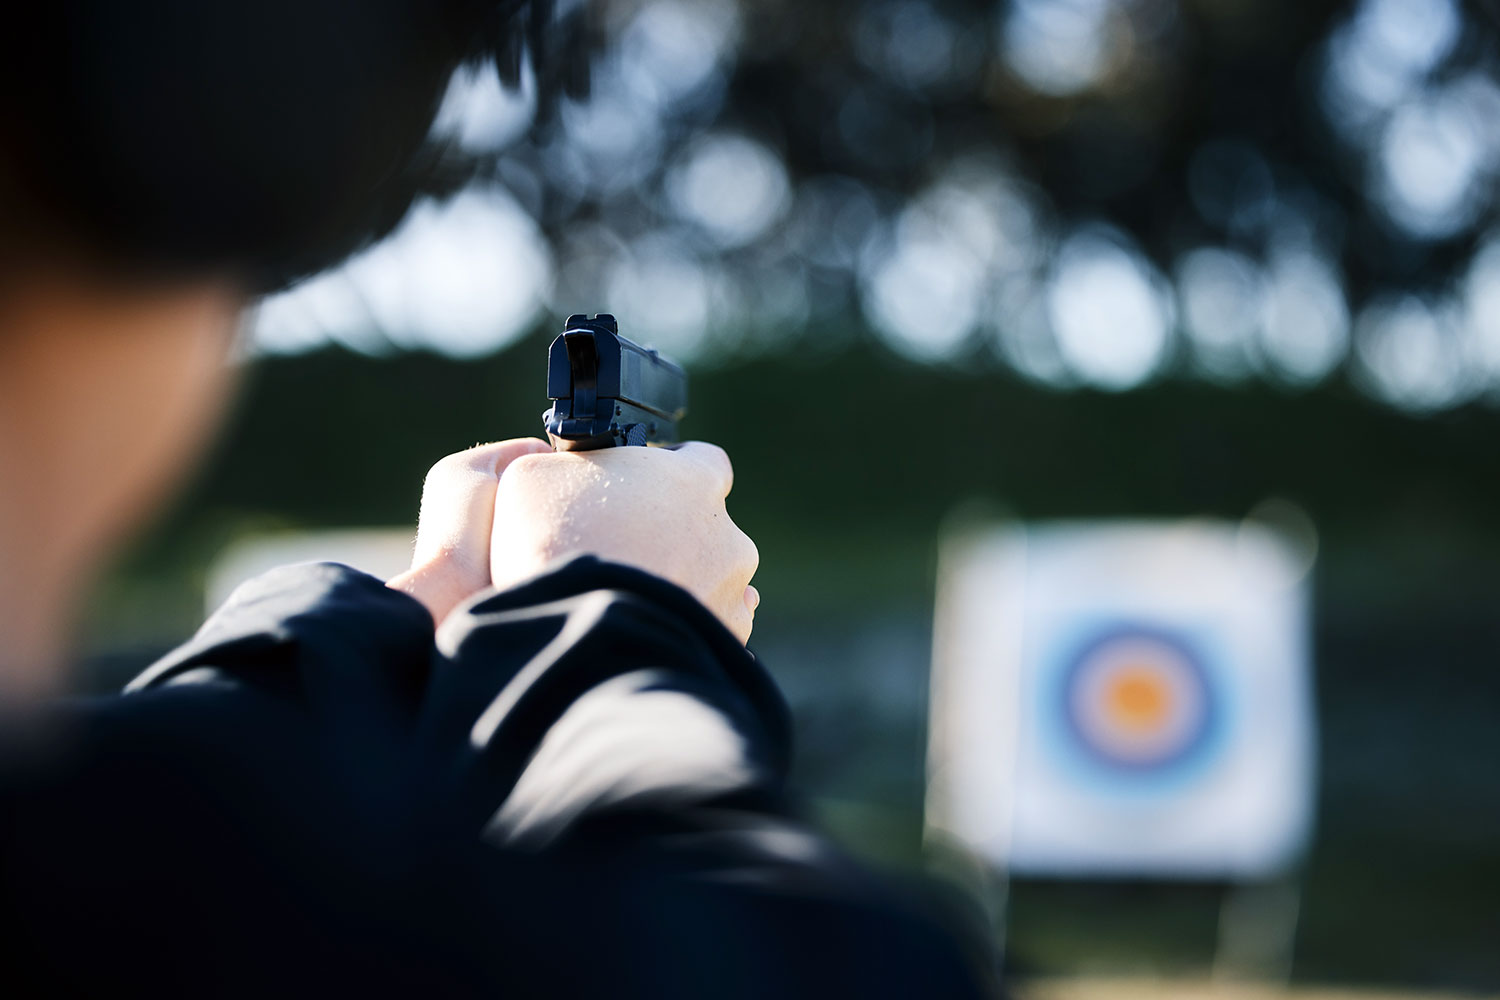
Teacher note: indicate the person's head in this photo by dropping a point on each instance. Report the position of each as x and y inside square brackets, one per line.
[161, 164]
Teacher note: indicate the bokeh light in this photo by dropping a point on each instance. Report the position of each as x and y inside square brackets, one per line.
[1411, 353]
[916, 45]
[613, 140]
[832, 219]
[1108, 310]
[1305, 328]
[927, 180]
[1431, 165]
[463, 277]
[480, 114]
[673, 50]
[1057, 47]
[1382, 52]
[667, 293]
[1481, 308]
[924, 287]
[731, 186]
[930, 281]
[1220, 294]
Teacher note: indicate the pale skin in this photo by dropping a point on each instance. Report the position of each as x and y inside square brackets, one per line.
[498, 513]
[109, 389]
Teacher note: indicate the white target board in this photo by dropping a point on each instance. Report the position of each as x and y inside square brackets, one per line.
[1124, 699]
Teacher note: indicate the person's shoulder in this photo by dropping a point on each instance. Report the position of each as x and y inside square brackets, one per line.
[193, 816]
[150, 767]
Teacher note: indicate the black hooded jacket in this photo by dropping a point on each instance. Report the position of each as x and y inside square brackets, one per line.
[576, 790]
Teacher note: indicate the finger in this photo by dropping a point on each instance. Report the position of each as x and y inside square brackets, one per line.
[485, 460]
[740, 621]
[494, 457]
[458, 499]
[713, 458]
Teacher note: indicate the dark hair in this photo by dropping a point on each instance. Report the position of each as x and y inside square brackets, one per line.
[267, 139]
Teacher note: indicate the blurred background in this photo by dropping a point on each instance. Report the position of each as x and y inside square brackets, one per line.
[1039, 259]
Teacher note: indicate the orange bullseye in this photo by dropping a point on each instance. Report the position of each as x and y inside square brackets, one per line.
[1138, 700]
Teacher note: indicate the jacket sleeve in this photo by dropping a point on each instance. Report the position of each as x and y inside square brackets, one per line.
[223, 829]
[595, 729]
[618, 725]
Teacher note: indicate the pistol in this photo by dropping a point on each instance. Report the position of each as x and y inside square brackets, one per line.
[609, 392]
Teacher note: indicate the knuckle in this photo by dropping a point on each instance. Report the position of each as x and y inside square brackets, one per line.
[526, 465]
[712, 452]
[749, 553]
[482, 459]
[443, 468]
[720, 458]
[711, 461]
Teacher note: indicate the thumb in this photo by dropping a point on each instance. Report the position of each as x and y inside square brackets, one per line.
[458, 501]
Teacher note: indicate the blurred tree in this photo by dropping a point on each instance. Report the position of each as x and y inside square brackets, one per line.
[1093, 192]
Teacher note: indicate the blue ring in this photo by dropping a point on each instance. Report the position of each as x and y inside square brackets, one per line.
[1196, 739]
